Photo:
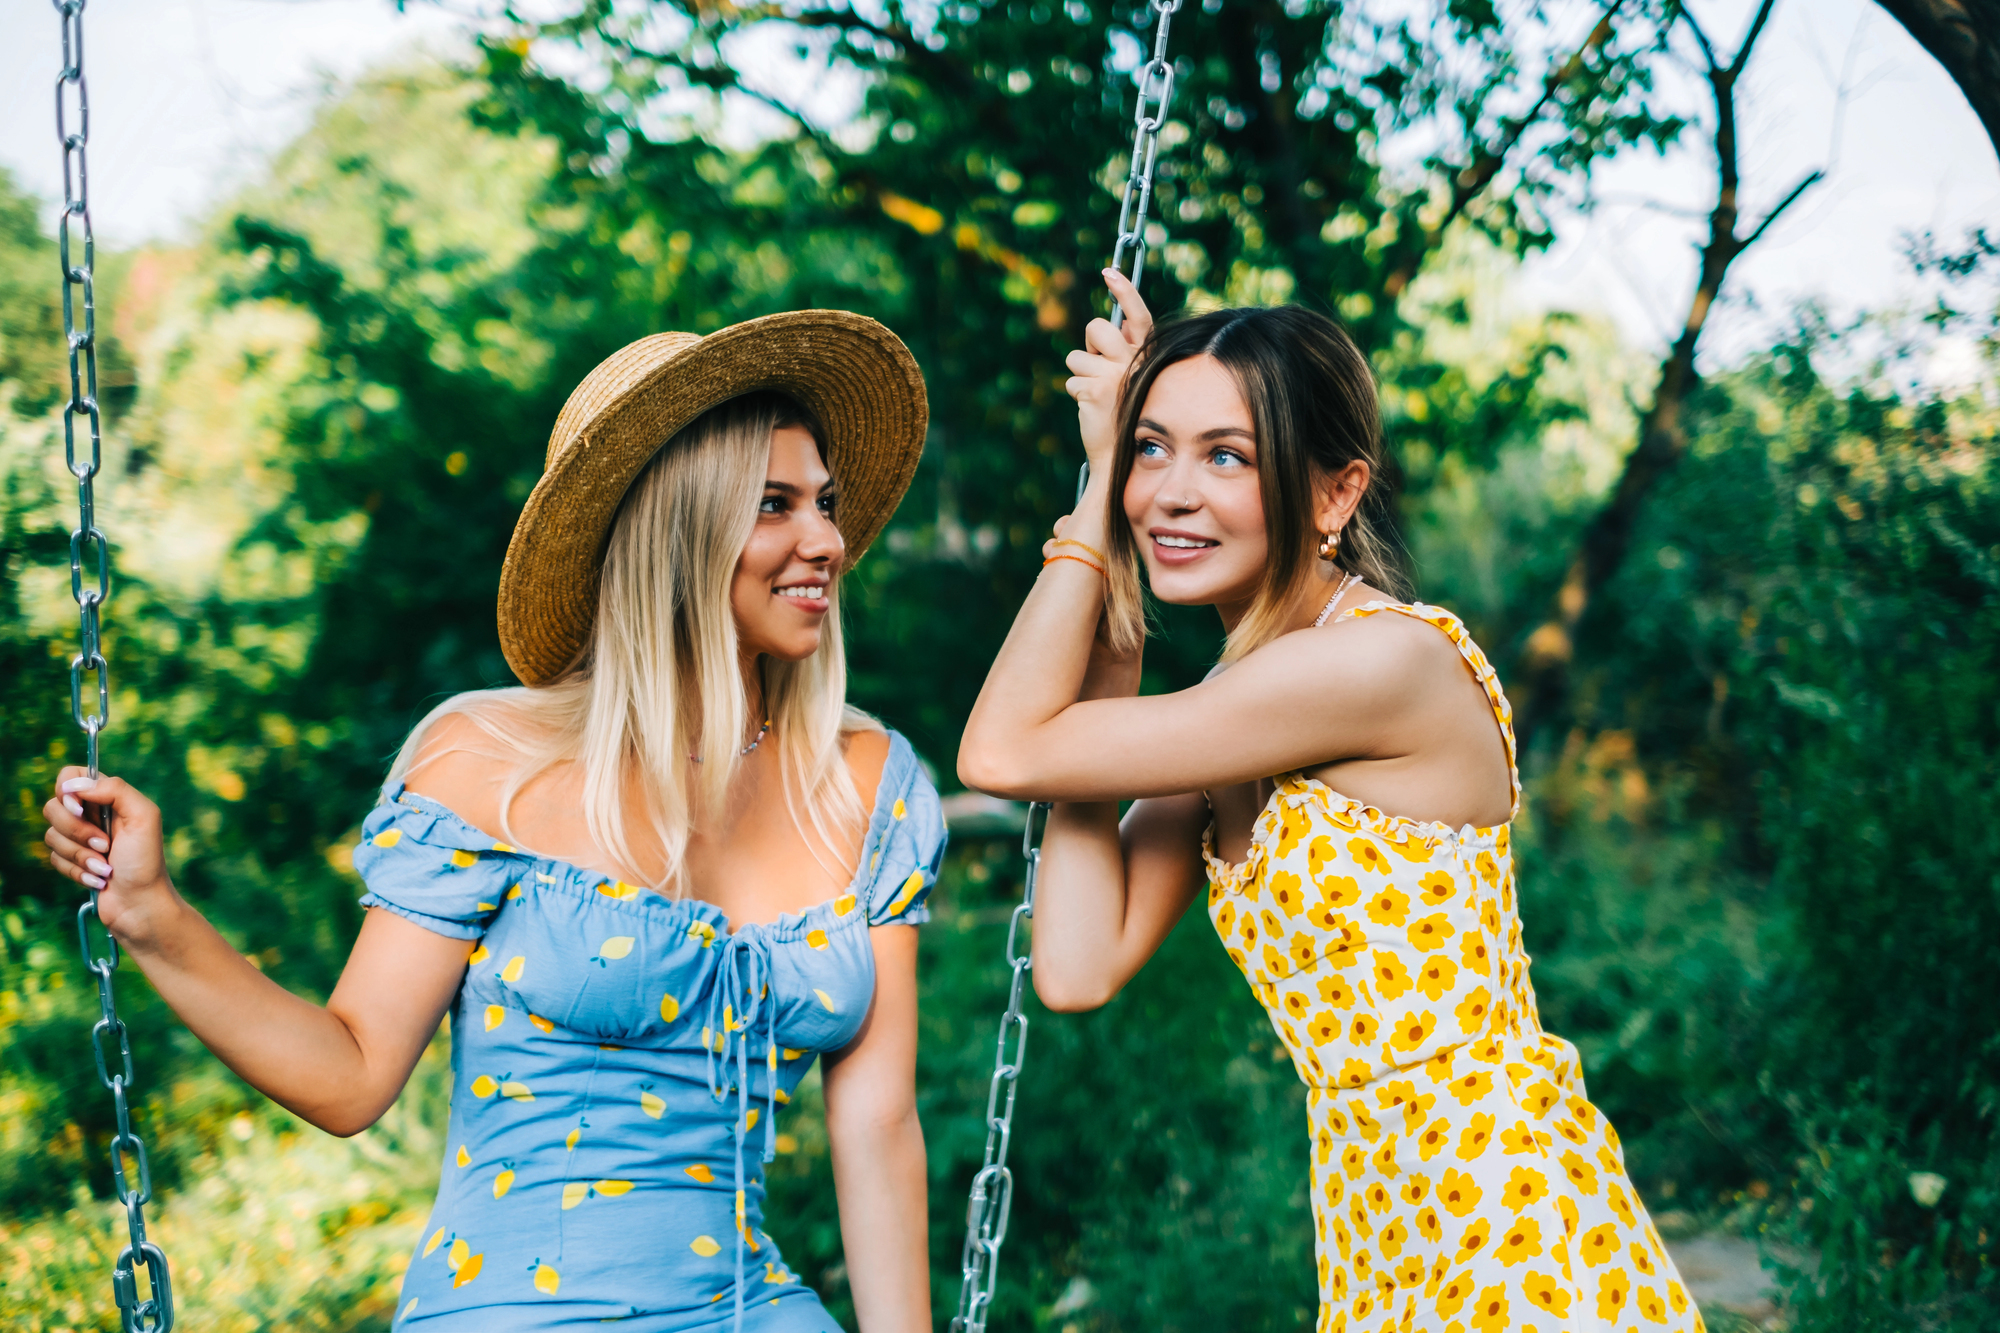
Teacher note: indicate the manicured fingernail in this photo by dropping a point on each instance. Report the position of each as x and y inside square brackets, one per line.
[98, 866]
[100, 844]
[73, 805]
[79, 784]
[93, 881]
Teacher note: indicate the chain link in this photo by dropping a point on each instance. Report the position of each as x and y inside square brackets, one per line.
[993, 1188]
[90, 554]
[1156, 94]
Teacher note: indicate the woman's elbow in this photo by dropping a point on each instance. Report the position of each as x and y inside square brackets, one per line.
[992, 768]
[1072, 995]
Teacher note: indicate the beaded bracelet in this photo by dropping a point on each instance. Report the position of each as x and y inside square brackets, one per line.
[1079, 559]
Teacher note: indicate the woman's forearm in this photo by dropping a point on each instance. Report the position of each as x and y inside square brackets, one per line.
[880, 1177]
[1080, 909]
[294, 1052]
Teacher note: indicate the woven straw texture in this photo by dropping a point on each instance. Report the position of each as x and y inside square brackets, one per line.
[852, 373]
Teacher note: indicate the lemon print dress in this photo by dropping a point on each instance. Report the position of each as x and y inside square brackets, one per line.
[1462, 1181]
[619, 1061]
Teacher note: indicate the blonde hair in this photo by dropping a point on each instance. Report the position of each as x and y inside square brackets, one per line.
[659, 680]
[1312, 401]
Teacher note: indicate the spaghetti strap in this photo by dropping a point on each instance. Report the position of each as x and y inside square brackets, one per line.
[1482, 670]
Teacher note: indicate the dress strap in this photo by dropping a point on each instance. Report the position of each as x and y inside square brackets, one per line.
[1482, 670]
[743, 976]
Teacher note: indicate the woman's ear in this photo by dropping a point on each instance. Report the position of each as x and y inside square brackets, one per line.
[1339, 494]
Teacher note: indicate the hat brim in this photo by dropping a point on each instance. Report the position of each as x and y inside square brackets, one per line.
[854, 375]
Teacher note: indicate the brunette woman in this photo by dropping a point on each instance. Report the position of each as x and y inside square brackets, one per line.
[1342, 785]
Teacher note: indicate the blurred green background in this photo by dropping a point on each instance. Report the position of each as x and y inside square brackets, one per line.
[1758, 854]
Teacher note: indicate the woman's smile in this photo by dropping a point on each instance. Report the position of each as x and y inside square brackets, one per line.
[1176, 546]
[808, 597]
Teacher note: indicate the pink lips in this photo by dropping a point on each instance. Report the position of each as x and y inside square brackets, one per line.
[1179, 555]
[816, 606]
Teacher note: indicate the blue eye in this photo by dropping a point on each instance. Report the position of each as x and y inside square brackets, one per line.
[1226, 457]
[1149, 449]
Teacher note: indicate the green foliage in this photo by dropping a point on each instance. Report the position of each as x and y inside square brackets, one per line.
[1757, 874]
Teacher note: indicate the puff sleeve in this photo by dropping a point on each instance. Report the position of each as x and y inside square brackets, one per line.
[906, 840]
[424, 863]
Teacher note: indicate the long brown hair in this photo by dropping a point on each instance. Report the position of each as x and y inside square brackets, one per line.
[1312, 401]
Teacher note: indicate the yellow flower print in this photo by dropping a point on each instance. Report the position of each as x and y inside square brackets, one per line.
[1364, 1305]
[1472, 1140]
[1583, 1111]
[1500, 840]
[1435, 1138]
[1435, 977]
[1336, 992]
[1303, 950]
[1642, 1259]
[1677, 1297]
[1392, 1240]
[1452, 1295]
[1569, 1215]
[1225, 918]
[1335, 1282]
[1410, 1272]
[1378, 1197]
[1438, 1067]
[1391, 978]
[1613, 1289]
[1472, 1012]
[1489, 918]
[1488, 1052]
[1362, 1028]
[1488, 868]
[1437, 888]
[1385, 1158]
[1354, 1161]
[1344, 1239]
[1649, 1304]
[1474, 1241]
[1294, 825]
[1608, 1160]
[1404, 1093]
[1388, 907]
[1546, 1292]
[1363, 1263]
[1370, 1127]
[1429, 933]
[1469, 1088]
[1522, 1241]
[1490, 1315]
[1273, 926]
[1335, 1121]
[1275, 963]
[1599, 1245]
[1323, 1142]
[1368, 856]
[1355, 1074]
[1287, 892]
[1345, 951]
[1319, 855]
[1296, 1004]
[1413, 849]
[1337, 891]
[1620, 1204]
[1429, 1225]
[1413, 1031]
[1472, 952]
[1581, 1173]
[1542, 1098]
[1571, 1131]
[1247, 932]
[1326, 1026]
[1525, 1186]
[1415, 1190]
[1518, 1138]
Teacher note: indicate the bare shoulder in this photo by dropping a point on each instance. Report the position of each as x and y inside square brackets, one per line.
[463, 766]
[867, 752]
[1379, 658]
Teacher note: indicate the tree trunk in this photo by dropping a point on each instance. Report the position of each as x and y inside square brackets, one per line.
[1964, 36]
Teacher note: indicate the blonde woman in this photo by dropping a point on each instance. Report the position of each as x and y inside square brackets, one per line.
[650, 886]
[1342, 786]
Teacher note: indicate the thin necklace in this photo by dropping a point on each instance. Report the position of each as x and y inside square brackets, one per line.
[1334, 600]
[759, 740]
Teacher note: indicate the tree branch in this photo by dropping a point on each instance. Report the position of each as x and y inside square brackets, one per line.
[1811, 179]
[1750, 37]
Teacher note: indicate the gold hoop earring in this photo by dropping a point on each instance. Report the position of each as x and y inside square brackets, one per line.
[1329, 544]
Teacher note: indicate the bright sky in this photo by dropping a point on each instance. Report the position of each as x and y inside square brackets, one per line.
[189, 94]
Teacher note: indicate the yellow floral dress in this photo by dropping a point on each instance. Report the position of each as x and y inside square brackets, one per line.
[1461, 1178]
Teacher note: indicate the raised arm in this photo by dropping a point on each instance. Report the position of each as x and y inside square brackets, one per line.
[339, 1067]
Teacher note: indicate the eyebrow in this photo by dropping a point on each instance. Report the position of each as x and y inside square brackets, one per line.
[786, 488]
[1216, 433]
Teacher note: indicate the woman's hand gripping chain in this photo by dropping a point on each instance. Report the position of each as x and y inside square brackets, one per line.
[1097, 370]
[126, 867]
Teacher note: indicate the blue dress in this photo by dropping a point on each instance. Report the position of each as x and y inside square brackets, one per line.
[618, 1060]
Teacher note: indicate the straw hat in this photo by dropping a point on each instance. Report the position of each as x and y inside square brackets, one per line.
[850, 372]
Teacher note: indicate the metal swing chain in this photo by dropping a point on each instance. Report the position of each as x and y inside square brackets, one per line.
[1156, 94]
[89, 550]
[992, 1194]
[993, 1188]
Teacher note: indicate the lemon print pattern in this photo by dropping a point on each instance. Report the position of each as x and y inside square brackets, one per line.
[1462, 1180]
[583, 1117]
